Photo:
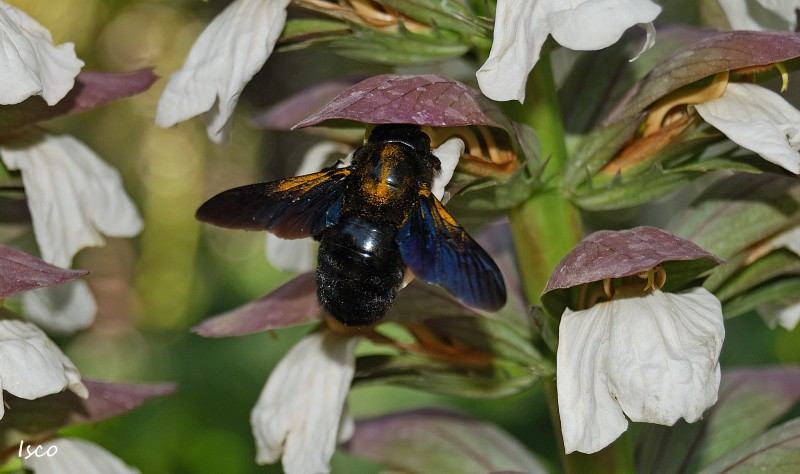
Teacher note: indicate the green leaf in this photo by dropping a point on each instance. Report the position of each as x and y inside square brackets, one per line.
[493, 381]
[776, 451]
[772, 265]
[622, 193]
[436, 440]
[783, 292]
[450, 15]
[596, 149]
[397, 49]
[756, 206]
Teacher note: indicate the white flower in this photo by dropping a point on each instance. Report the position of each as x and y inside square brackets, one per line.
[74, 456]
[30, 64]
[449, 153]
[72, 194]
[761, 15]
[233, 47]
[61, 309]
[300, 413]
[31, 365]
[653, 358]
[298, 255]
[758, 119]
[522, 26]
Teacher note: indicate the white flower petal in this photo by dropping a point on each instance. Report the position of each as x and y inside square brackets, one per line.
[233, 47]
[590, 417]
[299, 412]
[786, 317]
[656, 357]
[521, 28]
[31, 365]
[72, 194]
[61, 309]
[761, 15]
[75, 456]
[758, 119]
[30, 64]
[295, 255]
[448, 153]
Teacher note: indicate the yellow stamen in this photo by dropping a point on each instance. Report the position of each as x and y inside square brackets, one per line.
[784, 76]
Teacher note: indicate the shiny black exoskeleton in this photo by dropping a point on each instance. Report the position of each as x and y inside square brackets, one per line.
[373, 219]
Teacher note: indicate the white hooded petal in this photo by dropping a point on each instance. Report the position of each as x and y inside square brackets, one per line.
[758, 119]
[30, 64]
[522, 26]
[448, 153]
[298, 415]
[655, 358]
[31, 365]
[72, 194]
[761, 15]
[75, 456]
[299, 255]
[233, 47]
[61, 309]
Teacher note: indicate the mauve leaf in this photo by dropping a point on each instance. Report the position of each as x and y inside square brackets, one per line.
[715, 53]
[21, 272]
[286, 113]
[436, 440]
[750, 400]
[92, 89]
[430, 100]
[616, 254]
[776, 451]
[42, 416]
[291, 304]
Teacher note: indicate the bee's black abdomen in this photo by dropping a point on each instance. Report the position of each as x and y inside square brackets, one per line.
[359, 271]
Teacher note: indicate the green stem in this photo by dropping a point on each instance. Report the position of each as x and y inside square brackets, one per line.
[545, 228]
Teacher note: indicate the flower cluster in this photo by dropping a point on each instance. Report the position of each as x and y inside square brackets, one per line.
[73, 199]
[618, 326]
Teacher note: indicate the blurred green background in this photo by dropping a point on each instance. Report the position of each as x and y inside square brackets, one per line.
[151, 290]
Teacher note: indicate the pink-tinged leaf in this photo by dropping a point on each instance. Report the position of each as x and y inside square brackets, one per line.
[440, 441]
[291, 304]
[429, 100]
[776, 451]
[715, 53]
[107, 399]
[21, 272]
[92, 89]
[286, 113]
[42, 416]
[616, 254]
[750, 401]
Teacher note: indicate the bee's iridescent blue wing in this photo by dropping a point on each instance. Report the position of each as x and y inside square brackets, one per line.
[438, 250]
[290, 208]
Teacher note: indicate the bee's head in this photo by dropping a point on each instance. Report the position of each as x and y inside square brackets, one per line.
[409, 135]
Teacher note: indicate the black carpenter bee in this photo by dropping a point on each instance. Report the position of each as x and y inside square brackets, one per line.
[373, 219]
